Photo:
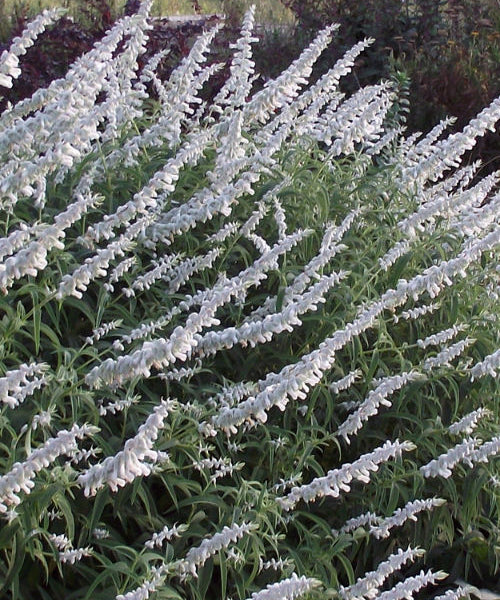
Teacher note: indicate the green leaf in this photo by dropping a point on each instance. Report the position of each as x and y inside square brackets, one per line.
[15, 562]
[37, 320]
[223, 574]
[204, 578]
[61, 502]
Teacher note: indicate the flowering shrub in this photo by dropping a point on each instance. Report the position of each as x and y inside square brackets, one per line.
[249, 348]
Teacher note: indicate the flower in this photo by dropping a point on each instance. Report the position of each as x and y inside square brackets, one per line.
[196, 557]
[469, 422]
[287, 589]
[369, 407]
[128, 464]
[20, 477]
[384, 525]
[407, 587]
[338, 480]
[489, 366]
[368, 585]
[167, 533]
[443, 465]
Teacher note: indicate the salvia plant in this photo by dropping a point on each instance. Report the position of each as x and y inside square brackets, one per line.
[249, 347]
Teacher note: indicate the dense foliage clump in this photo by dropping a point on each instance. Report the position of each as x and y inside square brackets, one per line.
[249, 347]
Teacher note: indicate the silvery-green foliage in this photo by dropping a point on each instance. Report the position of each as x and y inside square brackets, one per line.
[249, 348]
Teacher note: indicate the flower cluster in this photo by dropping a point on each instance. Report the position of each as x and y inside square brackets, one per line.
[368, 586]
[17, 384]
[444, 464]
[411, 585]
[469, 422]
[338, 480]
[383, 527]
[441, 337]
[65, 551]
[128, 464]
[489, 366]
[9, 61]
[287, 589]
[20, 477]
[197, 557]
[370, 405]
[167, 533]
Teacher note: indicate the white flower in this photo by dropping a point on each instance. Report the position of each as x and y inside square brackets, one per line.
[415, 313]
[260, 331]
[180, 374]
[440, 203]
[483, 453]
[61, 542]
[369, 407]
[162, 352]
[96, 266]
[42, 419]
[163, 268]
[128, 464]
[237, 87]
[446, 154]
[321, 93]
[117, 406]
[221, 467]
[414, 152]
[99, 332]
[397, 251]
[21, 476]
[495, 481]
[279, 564]
[280, 91]
[84, 455]
[441, 337]
[475, 220]
[359, 119]
[443, 465]
[460, 592]
[196, 557]
[469, 422]
[119, 271]
[224, 232]
[368, 585]
[294, 381]
[8, 59]
[368, 518]
[28, 261]
[400, 515]
[100, 533]
[338, 480]
[406, 588]
[343, 384]
[19, 383]
[167, 533]
[180, 274]
[147, 588]
[287, 589]
[66, 553]
[446, 355]
[489, 366]
[148, 197]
